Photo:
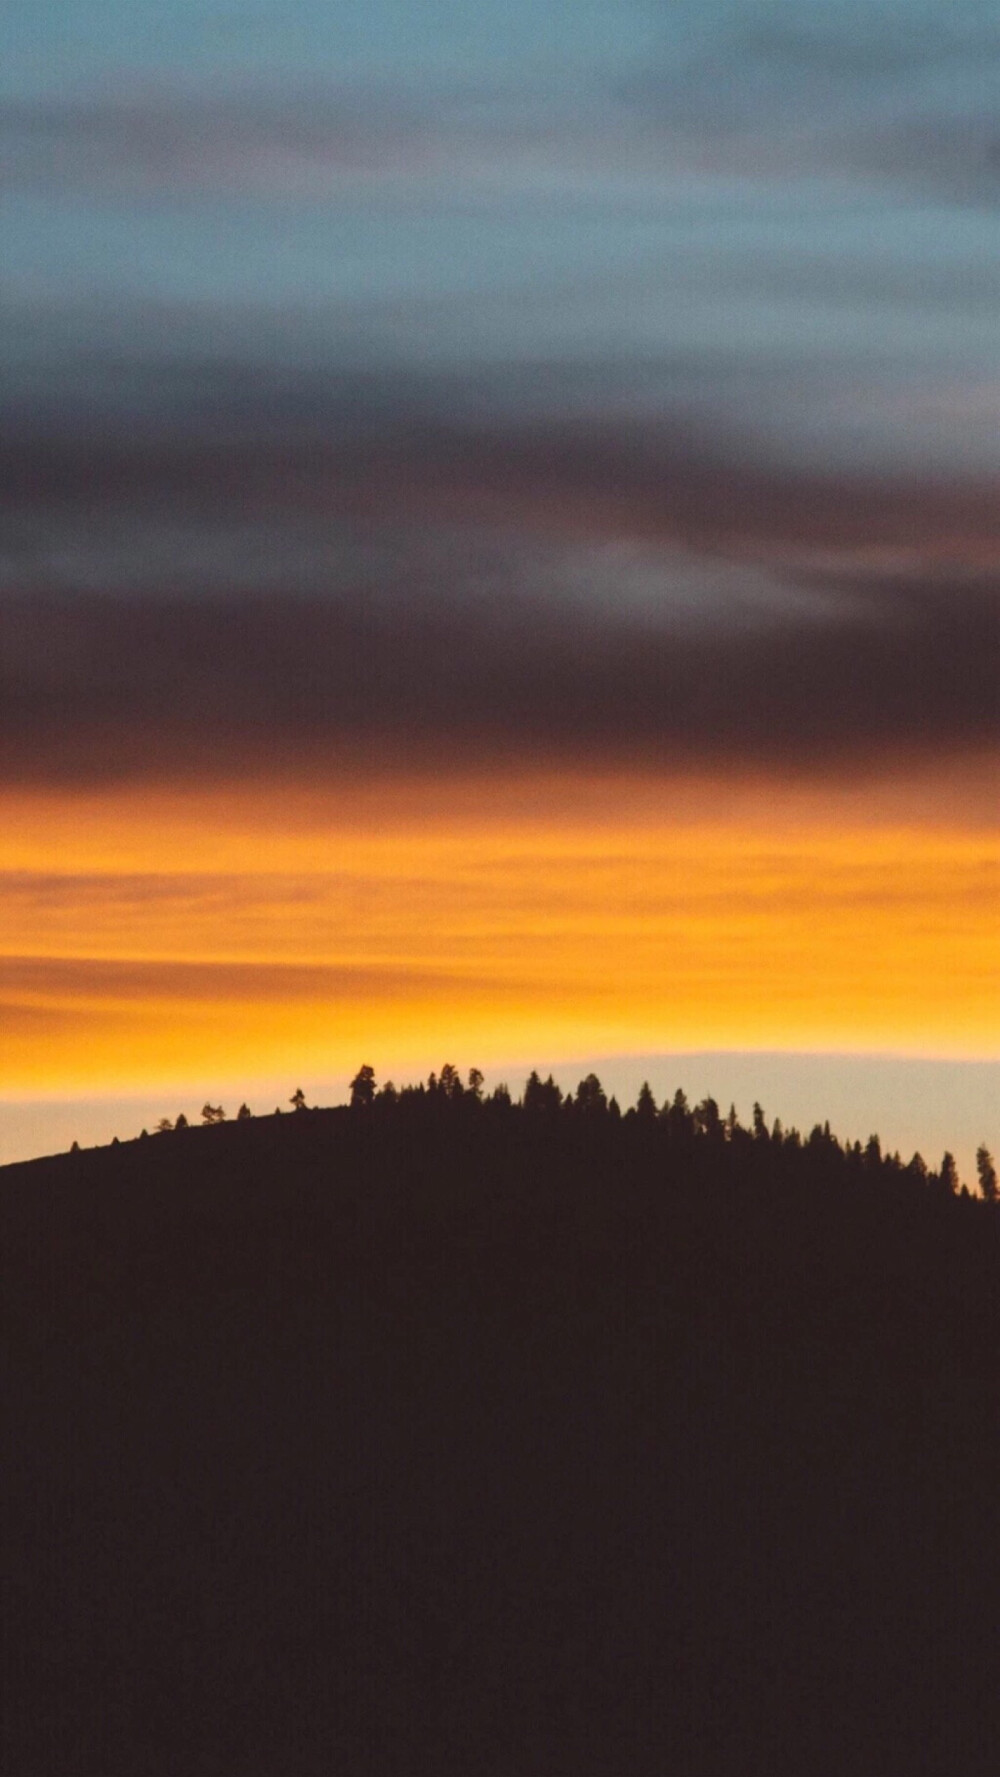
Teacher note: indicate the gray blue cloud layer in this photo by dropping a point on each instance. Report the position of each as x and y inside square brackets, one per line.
[621, 381]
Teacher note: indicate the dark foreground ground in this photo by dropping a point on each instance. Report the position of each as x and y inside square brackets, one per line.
[478, 1445]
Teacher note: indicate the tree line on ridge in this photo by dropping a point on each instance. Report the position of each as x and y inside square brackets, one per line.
[676, 1122]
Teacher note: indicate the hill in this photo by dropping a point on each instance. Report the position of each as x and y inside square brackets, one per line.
[433, 1436]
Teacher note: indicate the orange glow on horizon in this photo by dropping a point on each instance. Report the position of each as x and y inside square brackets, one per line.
[160, 939]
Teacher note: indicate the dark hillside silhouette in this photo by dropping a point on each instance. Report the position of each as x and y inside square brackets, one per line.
[442, 1434]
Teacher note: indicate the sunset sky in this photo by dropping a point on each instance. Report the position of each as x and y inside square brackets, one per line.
[500, 554]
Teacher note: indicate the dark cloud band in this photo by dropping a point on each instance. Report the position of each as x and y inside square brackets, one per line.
[473, 450]
[98, 689]
[402, 653]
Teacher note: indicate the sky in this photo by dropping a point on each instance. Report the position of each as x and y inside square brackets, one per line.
[499, 551]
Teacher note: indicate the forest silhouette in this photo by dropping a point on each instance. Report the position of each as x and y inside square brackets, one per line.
[446, 1433]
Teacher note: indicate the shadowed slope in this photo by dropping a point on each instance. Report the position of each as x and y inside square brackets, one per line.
[445, 1437]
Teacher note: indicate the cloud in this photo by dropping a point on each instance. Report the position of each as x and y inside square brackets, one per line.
[99, 689]
[167, 138]
[736, 514]
[33, 987]
[682, 443]
[353, 572]
[894, 95]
